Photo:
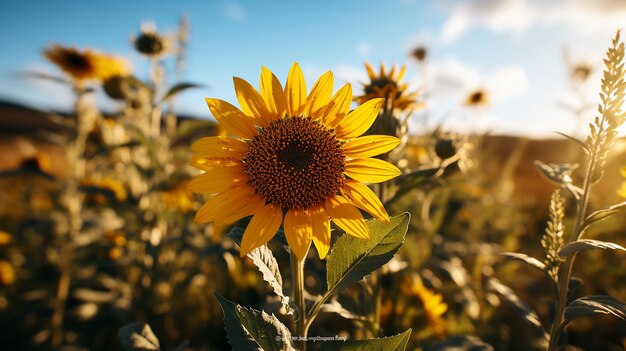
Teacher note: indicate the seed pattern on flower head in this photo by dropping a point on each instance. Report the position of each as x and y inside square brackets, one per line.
[295, 163]
[294, 160]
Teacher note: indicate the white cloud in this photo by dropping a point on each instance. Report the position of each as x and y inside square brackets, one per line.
[518, 15]
[234, 10]
[506, 83]
[363, 48]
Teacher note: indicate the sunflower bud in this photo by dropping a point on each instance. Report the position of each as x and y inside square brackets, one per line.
[419, 53]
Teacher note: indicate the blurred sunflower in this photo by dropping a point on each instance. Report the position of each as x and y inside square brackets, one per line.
[296, 160]
[85, 65]
[5, 238]
[432, 302]
[150, 43]
[477, 98]
[7, 273]
[178, 198]
[388, 85]
[622, 190]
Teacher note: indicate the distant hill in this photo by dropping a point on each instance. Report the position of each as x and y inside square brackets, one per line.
[22, 127]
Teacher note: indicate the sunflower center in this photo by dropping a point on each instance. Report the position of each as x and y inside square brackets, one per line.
[77, 61]
[295, 163]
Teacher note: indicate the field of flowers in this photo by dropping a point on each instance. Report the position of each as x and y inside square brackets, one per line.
[306, 217]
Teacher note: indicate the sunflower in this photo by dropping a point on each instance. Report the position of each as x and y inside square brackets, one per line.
[150, 43]
[476, 98]
[85, 65]
[294, 159]
[388, 85]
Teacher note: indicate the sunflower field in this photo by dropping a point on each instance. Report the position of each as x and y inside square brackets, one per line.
[324, 216]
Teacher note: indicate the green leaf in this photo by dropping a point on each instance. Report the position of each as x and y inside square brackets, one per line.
[353, 258]
[463, 343]
[527, 259]
[390, 343]
[265, 261]
[177, 88]
[602, 214]
[138, 336]
[557, 173]
[412, 180]
[587, 244]
[249, 329]
[335, 307]
[520, 306]
[576, 141]
[45, 76]
[594, 304]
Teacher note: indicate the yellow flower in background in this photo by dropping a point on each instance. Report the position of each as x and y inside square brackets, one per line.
[115, 187]
[295, 159]
[5, 238]
[622, 190]
[178, 198]
[388, 85]
[476, 98]
[433, 305]
[86, 65]
[7, 273]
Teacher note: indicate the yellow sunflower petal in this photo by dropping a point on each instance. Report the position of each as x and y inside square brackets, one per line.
[359, 120]
[370, 70]
[217, 180]
[370, 145]
[298, 230]
[231, 118]
[347, 217]
[226, 205]
[220, 146]
[338, 106]
[273, 94]
[319, 96]
[364, 198]
[295, 91]
[321, 230]
[371, 170]
[401, 74]
[251, 102]
[240, 209]
[206, 162]
[392, 72]
[262, 227]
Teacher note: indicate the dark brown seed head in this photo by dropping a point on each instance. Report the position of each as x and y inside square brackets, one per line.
[295, 163]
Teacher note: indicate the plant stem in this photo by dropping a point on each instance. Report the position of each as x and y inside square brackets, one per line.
[73, 205]
[565, 274]
[297, 272]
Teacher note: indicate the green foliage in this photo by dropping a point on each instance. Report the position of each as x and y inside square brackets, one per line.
[391, 343]
[178, 88]
[587, 244]
[603, 214]
[533, 262]
[352, 258]
[592, 305]
[249, 329]
[265, 261]
[520, 305]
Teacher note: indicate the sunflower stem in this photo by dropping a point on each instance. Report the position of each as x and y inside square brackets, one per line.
[85, 117]
[297, 272]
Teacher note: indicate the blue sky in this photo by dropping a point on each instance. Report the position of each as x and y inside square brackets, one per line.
[513, 48]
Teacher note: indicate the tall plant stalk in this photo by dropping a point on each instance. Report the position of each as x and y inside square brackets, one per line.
[598, 145]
